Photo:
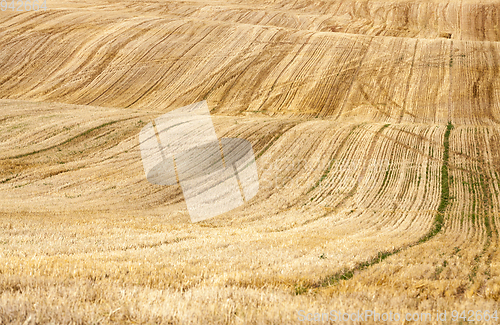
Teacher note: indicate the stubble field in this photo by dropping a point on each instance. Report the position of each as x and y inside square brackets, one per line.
[376, 131]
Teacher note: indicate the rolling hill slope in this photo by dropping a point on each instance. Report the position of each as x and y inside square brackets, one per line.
[375, 128]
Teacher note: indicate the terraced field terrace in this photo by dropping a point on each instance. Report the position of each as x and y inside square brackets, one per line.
[376, 130]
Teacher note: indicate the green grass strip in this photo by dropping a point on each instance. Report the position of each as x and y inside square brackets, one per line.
[445, 189]
[66, 141]
[347, 274]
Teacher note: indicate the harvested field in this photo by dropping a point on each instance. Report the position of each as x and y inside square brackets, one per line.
[375, 127]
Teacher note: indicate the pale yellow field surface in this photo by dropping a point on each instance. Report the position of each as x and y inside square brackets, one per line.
[375, 127]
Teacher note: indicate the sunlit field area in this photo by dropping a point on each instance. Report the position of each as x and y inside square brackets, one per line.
[375, 129]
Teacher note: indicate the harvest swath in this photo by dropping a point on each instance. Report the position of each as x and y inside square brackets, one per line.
[376, 131]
